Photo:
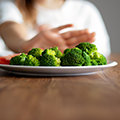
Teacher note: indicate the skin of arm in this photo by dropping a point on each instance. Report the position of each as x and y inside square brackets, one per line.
[15, 37]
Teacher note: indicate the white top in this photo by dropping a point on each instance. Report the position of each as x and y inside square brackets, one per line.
[82, 14]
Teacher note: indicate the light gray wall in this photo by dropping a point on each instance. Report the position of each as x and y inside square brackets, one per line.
[110, 11]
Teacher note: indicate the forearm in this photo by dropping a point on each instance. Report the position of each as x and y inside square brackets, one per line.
[14, 35]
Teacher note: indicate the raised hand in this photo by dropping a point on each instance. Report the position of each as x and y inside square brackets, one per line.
[51, 37]
[47, 38]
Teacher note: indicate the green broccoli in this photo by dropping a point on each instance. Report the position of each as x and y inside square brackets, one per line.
[31, 61]
[84, 54]
[58, 52]
[93, 62]
[48, 58]
[18, 60]
[98, 59]
[75, 57]
[95, 57]
[65, 51]
[35, 52]
[24, 59]
[87, 47]
[87, 59]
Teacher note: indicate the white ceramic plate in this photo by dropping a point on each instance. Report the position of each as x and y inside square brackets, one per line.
[56, 71]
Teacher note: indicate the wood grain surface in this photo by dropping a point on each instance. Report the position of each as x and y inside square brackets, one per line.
[91, 97]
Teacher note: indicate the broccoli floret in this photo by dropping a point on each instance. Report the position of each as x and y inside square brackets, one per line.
[48, 52]
[58, 52]
[65, 51]
[87, 59]
[24, 59]
[35, 52]
[18, 60]
[91, 50]
[31, 61]
[75, 57]
[87, 47]
[48, 58]
[98, 59]
[93, 62]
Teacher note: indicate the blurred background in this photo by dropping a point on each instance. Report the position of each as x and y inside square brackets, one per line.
[110, 12]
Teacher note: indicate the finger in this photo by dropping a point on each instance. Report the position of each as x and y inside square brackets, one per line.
[49, 41]
[44, 27]
[70, 34]
[83, 38]
[62, 27]
[54, 38]
[92, 40]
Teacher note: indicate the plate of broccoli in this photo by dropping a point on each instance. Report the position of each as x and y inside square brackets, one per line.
[83, 59]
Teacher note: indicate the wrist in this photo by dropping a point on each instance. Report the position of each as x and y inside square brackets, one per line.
[35, 42]
[28, 45]
[25, 46]
[19, 46]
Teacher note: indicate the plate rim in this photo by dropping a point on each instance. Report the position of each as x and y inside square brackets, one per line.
[110, 64]
[56, 71]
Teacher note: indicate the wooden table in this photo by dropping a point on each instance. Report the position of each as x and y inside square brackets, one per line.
[92, 97]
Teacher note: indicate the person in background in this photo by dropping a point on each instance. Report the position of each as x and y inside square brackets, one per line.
[26, 24]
